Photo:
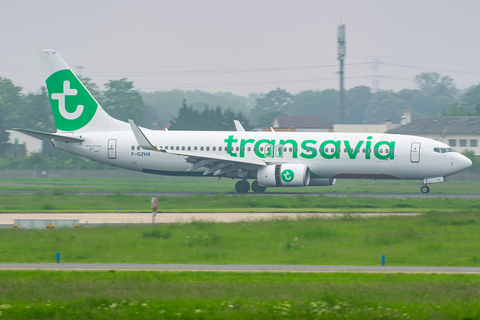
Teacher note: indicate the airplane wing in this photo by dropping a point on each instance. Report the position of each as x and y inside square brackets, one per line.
[216, 165]
[49, 135]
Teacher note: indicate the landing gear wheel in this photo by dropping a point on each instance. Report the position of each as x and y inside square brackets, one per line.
[256, 188]
[425, 189]
[242, 186]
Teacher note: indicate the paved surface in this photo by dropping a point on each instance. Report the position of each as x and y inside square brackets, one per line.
[6, 219]
[237, 268]
[184, 194]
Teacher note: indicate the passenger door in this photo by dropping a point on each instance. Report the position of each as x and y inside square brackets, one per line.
[415, 152]
[112, 149]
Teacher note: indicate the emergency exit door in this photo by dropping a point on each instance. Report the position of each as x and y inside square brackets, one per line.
[415, 152]
[112, 149]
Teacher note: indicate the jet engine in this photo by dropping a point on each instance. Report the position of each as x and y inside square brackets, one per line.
[284, 175]
[319, 182]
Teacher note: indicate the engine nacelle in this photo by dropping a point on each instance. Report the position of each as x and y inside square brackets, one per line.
[284, 175]
[320, 182]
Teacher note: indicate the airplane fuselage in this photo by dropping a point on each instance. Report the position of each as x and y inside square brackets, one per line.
[328, 155]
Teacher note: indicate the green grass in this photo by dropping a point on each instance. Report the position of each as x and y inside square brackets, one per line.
[60, 202]
[190, 295]
[194, 184]
[433, 239]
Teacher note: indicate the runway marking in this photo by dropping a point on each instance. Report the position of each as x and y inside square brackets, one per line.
[246, 271]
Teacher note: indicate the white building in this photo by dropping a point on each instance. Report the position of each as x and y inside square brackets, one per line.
[461, 133]
[374, 128]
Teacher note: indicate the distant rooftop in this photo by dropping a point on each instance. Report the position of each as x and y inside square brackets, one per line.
[300, 122]
[436, 125]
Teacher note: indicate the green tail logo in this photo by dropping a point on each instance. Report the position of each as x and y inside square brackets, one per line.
[73, 106]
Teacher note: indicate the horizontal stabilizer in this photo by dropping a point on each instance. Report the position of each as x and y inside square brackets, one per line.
[49, 135]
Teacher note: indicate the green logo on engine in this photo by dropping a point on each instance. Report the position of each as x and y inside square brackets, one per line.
[287, 175]
[73, 106]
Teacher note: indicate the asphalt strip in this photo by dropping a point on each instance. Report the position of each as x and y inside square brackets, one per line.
[242, 268]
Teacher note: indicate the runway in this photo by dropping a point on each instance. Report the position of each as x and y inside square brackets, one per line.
[251, 194]
[6, 219]
[238, 268]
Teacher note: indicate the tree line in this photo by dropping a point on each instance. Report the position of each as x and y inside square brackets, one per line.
[436, 95]
[196, 110]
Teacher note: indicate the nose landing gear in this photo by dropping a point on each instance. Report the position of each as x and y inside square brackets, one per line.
[425, 189]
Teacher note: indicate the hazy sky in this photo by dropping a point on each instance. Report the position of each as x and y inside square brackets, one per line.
[242, 46]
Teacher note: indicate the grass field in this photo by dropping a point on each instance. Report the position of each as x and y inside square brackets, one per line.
[193, 184]
[59, 202]
[433, 239]
[190, 295]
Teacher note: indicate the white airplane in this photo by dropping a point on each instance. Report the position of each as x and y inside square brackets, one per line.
[271, 159]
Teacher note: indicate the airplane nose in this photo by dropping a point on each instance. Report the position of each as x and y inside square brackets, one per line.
[463, 162]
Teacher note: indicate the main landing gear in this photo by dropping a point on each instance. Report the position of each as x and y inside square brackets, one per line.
[243, 186]
[425, 189]
[256, 188]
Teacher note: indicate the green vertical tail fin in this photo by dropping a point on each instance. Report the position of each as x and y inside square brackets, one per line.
[74, 108]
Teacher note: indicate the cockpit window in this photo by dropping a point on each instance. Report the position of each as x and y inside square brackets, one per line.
[443, 150]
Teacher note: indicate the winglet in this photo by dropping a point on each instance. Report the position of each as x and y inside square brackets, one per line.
[238, 125]
[141, 138]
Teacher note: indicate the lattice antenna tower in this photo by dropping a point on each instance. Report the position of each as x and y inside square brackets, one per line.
[341, 57]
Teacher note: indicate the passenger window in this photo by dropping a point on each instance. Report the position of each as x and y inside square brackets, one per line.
[248, 149]
[243, 148]
[178, 148]
[208, 148]
[285, 149]
[133, 147]
[319, 150]
[381, 150]
[254, 148]
[189, 148]
[386, 150]
[183, 148]
[345, 150]
[392, 151]
[363, 150]
[290, 149]
[358, 150]
[332, 150]
[237, 148]
[138, 147]
[219, 148]
[213, 148]
[261, 149]
[375, 150]
[351, 150]
[296, 149]
[195, 148]
[231, 148]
